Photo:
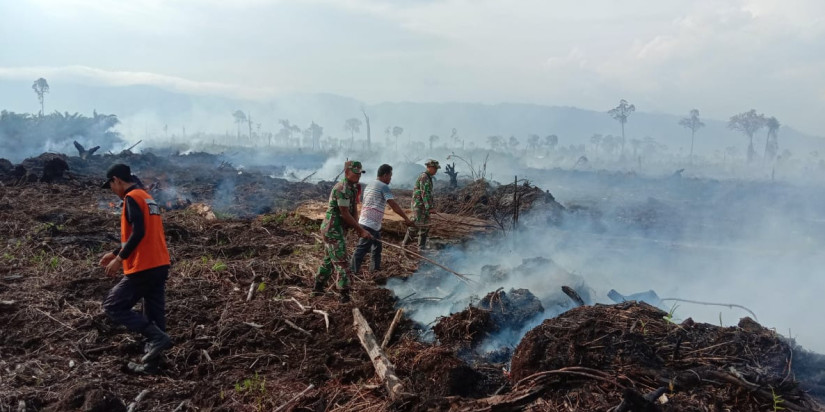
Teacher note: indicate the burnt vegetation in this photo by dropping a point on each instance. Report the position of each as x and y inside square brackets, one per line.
[249, 336]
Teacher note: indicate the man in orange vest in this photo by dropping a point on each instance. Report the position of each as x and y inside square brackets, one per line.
[144, 258]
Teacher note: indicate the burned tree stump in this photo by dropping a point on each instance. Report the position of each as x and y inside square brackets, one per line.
[450, 171]
[53, 169]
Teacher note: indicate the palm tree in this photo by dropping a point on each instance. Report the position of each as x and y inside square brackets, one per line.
[316, 132]
[513, 143]
[41, 87]
[551, 141]
[494, 141]
[621, 113]
[693, 123]
[240, 117]
[533, 141]
[287, 130]
[396, 131]
[748, 123]
[352, 126]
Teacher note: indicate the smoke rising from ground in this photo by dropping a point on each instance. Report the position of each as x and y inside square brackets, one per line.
[757, 244]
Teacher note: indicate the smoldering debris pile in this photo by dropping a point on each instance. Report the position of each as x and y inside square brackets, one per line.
[499, 311]
[47, 168]
[248, 334]
[501, 203]
[617, 356]
[176, 180]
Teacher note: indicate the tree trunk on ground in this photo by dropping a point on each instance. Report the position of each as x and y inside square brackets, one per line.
[383, 367]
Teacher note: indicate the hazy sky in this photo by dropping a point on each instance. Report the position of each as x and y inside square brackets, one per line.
[722, 57]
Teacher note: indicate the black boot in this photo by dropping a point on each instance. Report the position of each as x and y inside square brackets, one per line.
[318, 289]
[158, 342]
[344, 295]
[422, 241]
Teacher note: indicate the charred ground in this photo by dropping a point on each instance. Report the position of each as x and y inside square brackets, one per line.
[59, 352]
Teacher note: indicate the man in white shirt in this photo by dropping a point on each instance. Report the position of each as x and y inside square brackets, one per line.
[376, 197]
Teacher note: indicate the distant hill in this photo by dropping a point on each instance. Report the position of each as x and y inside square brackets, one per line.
[144, 110]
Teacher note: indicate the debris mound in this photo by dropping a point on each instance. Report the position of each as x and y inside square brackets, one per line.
[512, 310]
[498, 311]
[466, 328]
[500, 203]
[602, 357]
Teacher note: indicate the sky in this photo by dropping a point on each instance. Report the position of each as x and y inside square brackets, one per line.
[722, 57]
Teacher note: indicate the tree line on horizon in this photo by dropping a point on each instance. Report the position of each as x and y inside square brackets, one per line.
[63, 126]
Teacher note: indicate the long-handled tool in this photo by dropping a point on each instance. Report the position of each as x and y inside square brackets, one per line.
[460, 276]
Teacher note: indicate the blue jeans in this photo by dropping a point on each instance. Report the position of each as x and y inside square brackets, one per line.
[149, 285]
[373, 246]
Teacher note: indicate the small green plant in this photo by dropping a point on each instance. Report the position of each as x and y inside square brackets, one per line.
[777, 401]
[644, 327]
[221, 215]
[276, 218]
[8, 256]
[204, 260]
[219, 266]
[39, 258]
[262, 287]
[669, 316]
[54, 262]
[251, 385]
[51, 228]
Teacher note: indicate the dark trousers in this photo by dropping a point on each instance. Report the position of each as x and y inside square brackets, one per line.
[149, 285]
[373, 246]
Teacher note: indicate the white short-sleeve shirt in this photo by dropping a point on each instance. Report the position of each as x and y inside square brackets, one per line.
[375, 201]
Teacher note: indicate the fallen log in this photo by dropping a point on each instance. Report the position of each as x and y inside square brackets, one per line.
[388, 335]
[383, 367]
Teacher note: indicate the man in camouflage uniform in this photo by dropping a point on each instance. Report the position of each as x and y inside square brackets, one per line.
[422, 204]
[341, 212]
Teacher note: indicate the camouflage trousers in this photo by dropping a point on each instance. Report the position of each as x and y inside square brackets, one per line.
[335, 259]
[421, 219]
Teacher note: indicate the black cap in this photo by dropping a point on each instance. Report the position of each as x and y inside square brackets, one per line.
[119, 170]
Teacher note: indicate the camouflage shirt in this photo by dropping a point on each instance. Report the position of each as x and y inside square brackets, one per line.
[343, 194]
[423, 193]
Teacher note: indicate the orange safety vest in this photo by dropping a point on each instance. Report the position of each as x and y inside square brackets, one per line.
[151, 252]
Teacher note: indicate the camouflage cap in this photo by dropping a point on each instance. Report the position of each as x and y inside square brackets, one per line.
[433, 163]
[354, 166]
